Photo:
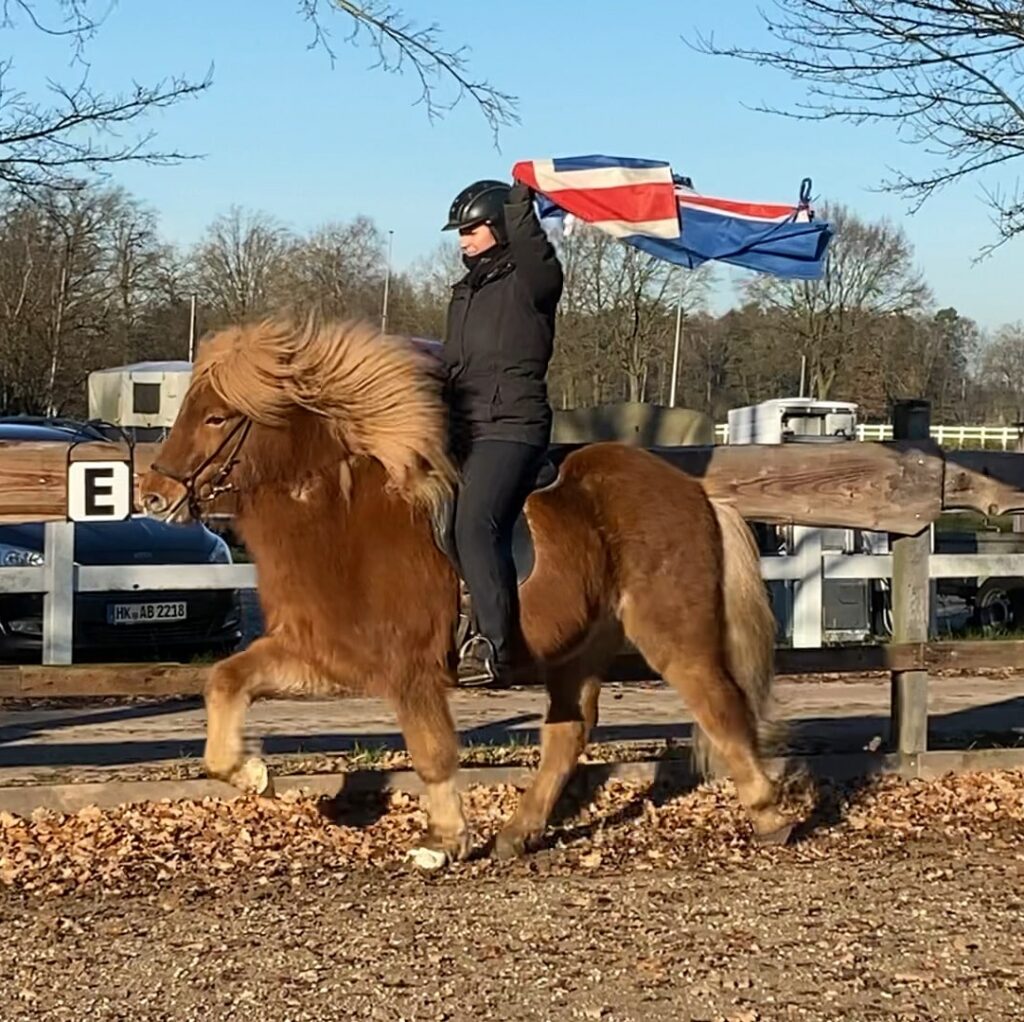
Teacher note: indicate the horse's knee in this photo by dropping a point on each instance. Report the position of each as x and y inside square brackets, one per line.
[225, 681]
[435, 756]
[429, 731]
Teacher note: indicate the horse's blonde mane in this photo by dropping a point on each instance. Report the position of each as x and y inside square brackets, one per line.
[374, 390]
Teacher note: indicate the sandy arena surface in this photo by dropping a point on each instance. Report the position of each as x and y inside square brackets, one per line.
[898, 901]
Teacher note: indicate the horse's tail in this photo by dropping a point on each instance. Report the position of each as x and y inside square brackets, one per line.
[749, 632]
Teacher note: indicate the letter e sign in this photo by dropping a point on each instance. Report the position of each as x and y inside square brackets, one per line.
[99, 491]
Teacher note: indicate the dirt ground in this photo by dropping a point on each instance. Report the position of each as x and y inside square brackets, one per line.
[898, 901]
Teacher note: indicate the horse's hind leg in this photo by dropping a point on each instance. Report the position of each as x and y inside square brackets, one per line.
[430, 736]
[720, 710]
[572, 715]
[263, 670]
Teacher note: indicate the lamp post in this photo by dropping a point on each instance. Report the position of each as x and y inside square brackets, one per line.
[387, 286]
[192, 328]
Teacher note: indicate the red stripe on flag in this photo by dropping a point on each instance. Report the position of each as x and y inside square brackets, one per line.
[632, 203]
[761, 210]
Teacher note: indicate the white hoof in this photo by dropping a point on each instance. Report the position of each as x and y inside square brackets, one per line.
[428, 859]
[254, 778]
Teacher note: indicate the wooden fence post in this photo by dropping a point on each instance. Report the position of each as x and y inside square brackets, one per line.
[911, 591]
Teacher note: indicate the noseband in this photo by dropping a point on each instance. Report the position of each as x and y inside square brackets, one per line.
[196, 496]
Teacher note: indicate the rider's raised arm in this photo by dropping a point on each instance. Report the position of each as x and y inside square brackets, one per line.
[536, 261]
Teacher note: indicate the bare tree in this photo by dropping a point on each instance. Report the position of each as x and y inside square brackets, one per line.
[47, 145]
[947, 74]
[869, 275]
[339, 268]
[79, 273]
[617, 317]
[1002, 369]
[401, 44]
[430, 280]
[240, 264]
[138, 267]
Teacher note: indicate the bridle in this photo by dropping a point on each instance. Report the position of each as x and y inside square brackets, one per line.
[196, 496]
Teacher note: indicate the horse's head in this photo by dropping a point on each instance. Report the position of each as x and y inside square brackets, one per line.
[199, 460]
[273, 402]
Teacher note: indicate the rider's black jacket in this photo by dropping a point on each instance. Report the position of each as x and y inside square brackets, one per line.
[500, 332]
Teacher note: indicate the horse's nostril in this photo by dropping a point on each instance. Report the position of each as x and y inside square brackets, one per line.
[154, 503]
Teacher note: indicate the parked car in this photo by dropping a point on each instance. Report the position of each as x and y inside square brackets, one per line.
[126, 625]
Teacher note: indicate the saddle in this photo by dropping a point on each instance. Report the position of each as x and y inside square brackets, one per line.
[523, 552]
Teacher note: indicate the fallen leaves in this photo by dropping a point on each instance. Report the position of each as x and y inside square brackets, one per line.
[622, 826]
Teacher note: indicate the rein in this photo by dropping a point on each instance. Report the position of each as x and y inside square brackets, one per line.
[218, 484]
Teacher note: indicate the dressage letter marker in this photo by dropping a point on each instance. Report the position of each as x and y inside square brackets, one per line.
[99, 491]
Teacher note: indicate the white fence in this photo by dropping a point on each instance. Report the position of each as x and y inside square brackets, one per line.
[59, 579]
[988, 437]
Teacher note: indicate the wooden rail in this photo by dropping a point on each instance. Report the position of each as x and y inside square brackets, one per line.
[896, 486]
[97, 681]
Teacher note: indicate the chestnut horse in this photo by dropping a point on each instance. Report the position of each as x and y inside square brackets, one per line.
[330, 445]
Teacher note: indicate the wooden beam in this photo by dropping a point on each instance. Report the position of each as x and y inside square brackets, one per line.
[101, 681]
[167, 680]
[896, 487]
[886, 487]
[991, 482]
[872, 486]
[33, 477]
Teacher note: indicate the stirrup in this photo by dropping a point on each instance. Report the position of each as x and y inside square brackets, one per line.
[481, 672]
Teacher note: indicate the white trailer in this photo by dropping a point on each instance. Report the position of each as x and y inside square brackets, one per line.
[142, 398]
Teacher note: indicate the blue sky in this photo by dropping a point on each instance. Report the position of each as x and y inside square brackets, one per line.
[283, 131]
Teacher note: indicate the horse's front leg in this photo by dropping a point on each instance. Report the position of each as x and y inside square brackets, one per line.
[430, 736]
[264, 670]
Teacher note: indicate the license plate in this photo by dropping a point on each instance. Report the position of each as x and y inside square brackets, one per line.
[145, 613]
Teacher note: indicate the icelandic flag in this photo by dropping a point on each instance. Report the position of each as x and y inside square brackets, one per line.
[644, 204]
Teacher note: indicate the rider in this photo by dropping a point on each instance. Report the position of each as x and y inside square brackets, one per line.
[498, 342]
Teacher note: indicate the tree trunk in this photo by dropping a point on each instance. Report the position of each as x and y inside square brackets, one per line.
[55, 343]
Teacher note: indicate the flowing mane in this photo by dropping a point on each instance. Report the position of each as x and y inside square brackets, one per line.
[375, 390]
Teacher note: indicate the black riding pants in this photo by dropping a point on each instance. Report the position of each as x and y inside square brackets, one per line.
[497, 477]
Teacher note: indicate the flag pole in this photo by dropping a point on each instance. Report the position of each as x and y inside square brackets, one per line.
[675, 349]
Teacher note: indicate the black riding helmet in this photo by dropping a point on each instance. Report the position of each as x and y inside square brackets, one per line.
[483, 202]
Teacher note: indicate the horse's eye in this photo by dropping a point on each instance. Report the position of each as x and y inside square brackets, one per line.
[215, 420]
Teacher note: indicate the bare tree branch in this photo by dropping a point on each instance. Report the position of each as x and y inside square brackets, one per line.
[53, 145]
[949, 74]
[79, 132]
[401, 45]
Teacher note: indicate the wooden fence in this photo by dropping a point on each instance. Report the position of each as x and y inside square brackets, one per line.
[1005, 438]
[899, 487]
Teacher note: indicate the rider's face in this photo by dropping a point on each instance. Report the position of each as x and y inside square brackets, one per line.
[475, 241]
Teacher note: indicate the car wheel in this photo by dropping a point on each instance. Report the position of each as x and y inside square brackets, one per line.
[999, 606]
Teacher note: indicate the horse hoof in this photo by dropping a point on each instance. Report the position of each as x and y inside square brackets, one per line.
[430, 860]
[775, 838]
[253, 777]
[509, 845]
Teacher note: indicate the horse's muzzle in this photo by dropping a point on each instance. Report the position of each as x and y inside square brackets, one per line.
[161, 497]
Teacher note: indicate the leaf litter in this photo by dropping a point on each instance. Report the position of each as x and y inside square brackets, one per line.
[898, 901]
